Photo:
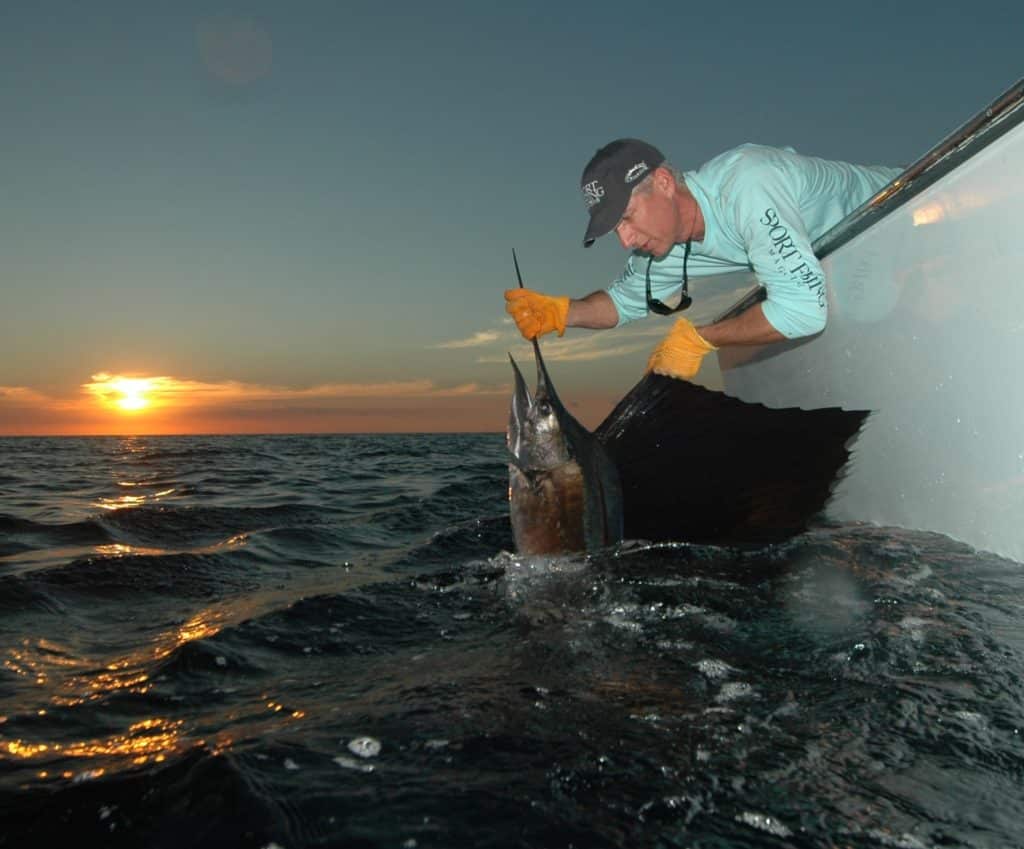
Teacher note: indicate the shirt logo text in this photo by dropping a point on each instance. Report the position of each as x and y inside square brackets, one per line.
[789, 258]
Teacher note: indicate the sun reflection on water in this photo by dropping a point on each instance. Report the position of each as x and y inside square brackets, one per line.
[120, 502]
[147, 740]
[36, 660]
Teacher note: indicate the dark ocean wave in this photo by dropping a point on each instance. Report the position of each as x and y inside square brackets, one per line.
[469, 541]
[184, 456]
[331, 643]
[9, 547]
[43, 534]
[187, 455]
[380, 621]
[207, 665]
[181, 527]
[329, 542]
[20, 597]
[142, 578]
[182, 802]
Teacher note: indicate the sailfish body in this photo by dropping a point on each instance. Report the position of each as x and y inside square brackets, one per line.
[563, 487]
[672, 462]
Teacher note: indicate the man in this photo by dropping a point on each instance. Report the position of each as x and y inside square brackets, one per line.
[752, 207]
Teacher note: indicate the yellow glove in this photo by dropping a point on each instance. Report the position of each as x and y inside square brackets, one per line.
[680, 353]
[536, 314]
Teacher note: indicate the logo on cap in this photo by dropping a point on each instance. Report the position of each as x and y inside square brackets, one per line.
[637, 171]
[592, 193]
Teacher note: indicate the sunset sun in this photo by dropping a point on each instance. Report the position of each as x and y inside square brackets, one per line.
[126, 394]
[131, 394]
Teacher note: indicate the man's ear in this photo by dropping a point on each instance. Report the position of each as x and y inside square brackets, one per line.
[663, 181]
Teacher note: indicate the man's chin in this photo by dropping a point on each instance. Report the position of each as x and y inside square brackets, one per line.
[652, 253]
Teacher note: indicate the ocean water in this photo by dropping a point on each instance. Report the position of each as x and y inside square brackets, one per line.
[326, 641]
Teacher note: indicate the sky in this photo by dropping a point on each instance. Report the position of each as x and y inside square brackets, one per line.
[270, 217]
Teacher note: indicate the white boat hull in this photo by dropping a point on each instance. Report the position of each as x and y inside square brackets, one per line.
[926, 330]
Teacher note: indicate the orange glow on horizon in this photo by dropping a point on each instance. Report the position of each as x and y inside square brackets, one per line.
[134, 404]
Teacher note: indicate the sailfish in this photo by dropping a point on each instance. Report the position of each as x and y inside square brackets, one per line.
[672, 462]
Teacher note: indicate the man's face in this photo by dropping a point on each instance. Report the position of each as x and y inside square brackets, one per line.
[651, 221]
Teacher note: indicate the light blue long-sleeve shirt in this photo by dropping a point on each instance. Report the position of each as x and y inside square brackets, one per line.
[762, 207]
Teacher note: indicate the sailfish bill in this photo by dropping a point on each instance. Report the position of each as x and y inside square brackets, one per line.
[672, 462]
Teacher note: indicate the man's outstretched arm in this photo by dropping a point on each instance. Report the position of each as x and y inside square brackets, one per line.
[750, 327]
[596, 311]
[536, 313]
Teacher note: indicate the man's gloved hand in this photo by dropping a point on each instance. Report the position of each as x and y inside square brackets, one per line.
[536, 314]
[680, 353]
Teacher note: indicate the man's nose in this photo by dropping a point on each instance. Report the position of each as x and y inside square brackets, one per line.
[625, 234]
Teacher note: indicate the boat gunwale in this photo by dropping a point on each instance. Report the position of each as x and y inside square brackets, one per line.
[999, 117]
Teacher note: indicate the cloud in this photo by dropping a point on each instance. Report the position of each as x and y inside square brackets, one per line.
[137, 403]
[580, 347]
[588, 347]
[105, 393]
[164, 391]
[481, 337]
[21, 395]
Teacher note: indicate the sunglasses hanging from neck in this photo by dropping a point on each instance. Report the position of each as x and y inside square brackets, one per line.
[654, 305]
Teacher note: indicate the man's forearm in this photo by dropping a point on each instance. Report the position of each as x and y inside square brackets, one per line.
[750, 327]
[596, 311]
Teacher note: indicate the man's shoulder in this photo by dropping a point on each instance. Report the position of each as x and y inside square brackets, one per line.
[743, 160]
[738, 177]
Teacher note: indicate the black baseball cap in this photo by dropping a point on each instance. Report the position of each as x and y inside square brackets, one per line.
[609, 179]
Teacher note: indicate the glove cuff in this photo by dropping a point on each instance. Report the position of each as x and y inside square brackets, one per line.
[562, 314]
[685, 327]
